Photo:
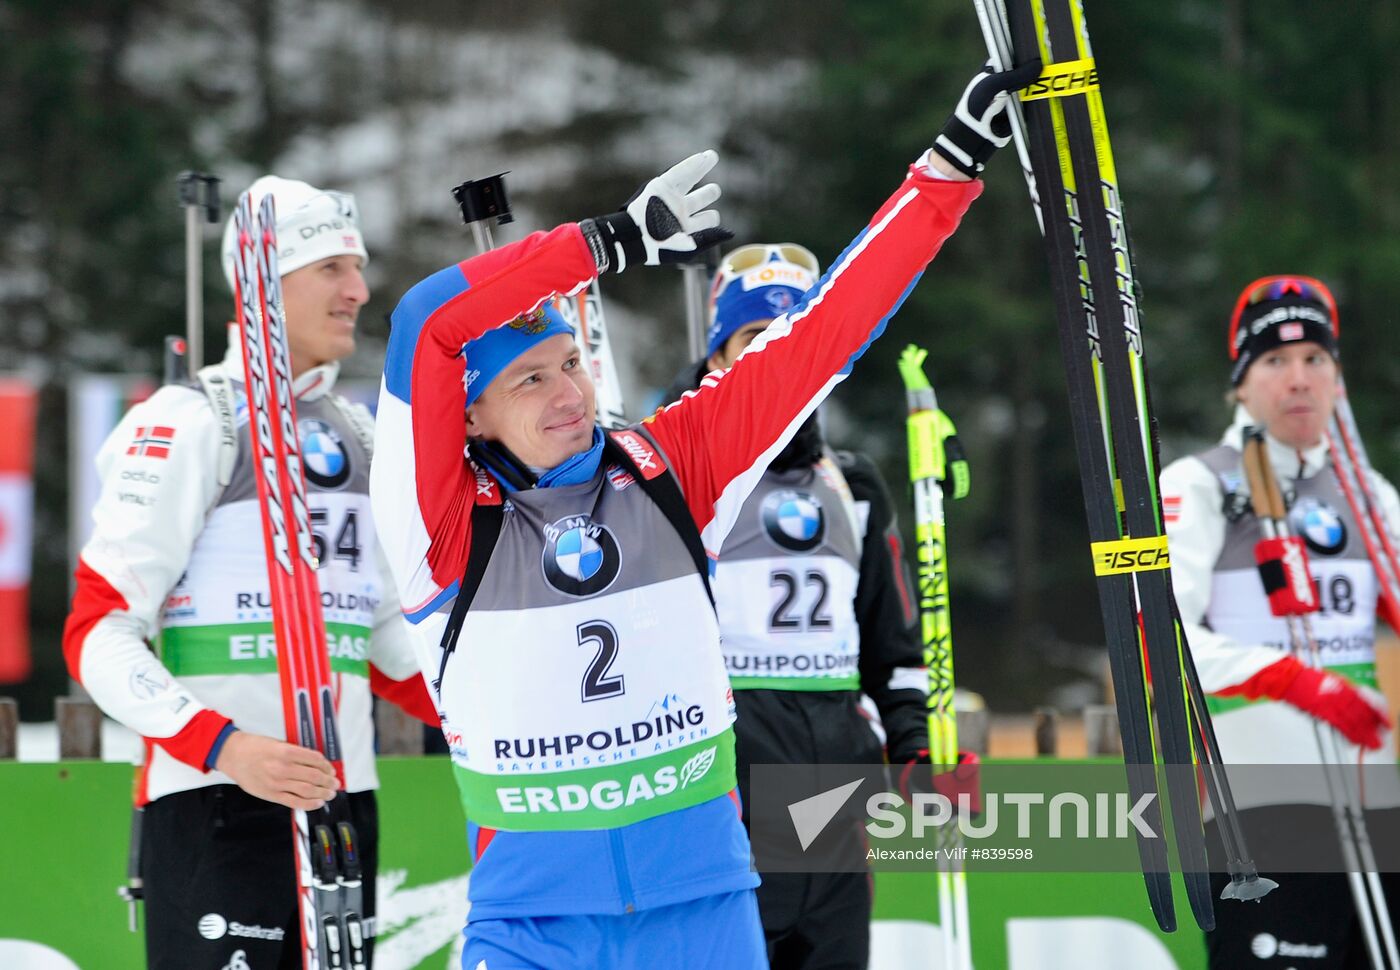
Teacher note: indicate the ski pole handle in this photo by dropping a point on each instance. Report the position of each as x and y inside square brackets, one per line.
[480, 200]
[198, 193]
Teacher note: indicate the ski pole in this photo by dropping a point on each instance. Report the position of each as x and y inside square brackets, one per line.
[199, 194]
[1353, 468]
[991, 17]
[1372, 908]
[135, 889]
[695, 280]
[482, 200]
[1245, 882]
[936, 464]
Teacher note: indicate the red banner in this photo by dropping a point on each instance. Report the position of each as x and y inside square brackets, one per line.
[18, 403]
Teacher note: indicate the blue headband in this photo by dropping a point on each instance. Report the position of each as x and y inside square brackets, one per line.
[737, 306]
[497, 349]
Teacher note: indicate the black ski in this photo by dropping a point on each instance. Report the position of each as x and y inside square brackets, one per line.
[1096, 304]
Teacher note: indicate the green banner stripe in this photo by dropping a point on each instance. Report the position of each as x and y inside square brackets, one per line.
[602, 797]
[1362, 673]
[850, 682]
[247, 648]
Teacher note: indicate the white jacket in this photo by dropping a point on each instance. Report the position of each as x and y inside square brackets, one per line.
[1232, 633]
[176, 559]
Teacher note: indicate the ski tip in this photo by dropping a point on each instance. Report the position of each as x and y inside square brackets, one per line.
[1159, 897]
[1199, 896]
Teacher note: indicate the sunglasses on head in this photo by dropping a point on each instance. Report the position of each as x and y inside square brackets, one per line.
[735, 264]
[1272, 288]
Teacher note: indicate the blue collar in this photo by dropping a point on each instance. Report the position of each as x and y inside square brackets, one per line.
[575, 470]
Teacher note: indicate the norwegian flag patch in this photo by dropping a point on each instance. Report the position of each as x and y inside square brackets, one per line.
[1171, 508]
[154, 441]
[1290, 331]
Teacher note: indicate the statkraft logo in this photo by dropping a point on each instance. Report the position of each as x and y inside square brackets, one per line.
[607, 795]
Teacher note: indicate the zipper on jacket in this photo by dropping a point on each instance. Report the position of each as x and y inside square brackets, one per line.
[624, 878]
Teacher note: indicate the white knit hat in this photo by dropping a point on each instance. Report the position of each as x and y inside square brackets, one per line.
[312, 224]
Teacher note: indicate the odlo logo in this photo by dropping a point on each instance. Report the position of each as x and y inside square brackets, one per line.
[581, 557]
[794, 520]
[323, 454]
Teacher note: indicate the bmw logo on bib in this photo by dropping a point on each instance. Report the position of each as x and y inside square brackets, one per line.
[794, 520]
[323, 454]
[1320, 525]
[581, 556]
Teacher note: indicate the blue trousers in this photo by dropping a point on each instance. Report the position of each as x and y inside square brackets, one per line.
[720, 932]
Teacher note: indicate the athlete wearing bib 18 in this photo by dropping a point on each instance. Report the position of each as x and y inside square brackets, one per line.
[1265, 702]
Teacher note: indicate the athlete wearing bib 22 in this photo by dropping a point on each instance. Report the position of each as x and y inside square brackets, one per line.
[1264, 702]
[815, 607]
[586, 705]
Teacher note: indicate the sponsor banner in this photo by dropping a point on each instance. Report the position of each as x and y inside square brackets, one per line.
[18, 405]
[604, 796]
[1033, 818]
[251, 648]
[74, 853]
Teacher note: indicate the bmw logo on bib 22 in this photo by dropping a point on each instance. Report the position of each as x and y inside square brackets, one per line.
[581, 556]
[323, 455]
[794, 520]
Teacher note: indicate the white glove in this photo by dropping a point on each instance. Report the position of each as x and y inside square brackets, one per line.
[667, 221]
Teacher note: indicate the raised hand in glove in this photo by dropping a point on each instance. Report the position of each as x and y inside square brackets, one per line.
[979, 124]
[667, 221]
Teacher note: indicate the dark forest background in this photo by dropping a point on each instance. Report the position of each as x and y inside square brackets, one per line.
[1251, 138]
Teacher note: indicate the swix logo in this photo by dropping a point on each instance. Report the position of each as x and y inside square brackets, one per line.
[487, 492]
[641, 452]
[1295, 564]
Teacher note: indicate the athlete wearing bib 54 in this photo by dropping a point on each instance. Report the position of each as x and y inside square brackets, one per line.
[557, 577]
[1284, 347]
[176, 559]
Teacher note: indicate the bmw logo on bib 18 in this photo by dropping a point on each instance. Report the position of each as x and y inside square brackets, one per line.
[1319, 525]
[581, 557]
